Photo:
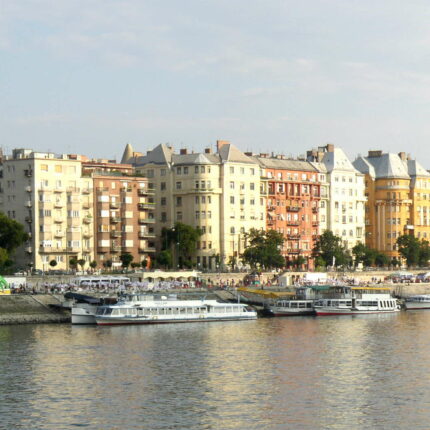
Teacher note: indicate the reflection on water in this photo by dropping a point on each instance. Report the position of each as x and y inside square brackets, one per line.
[334, 372]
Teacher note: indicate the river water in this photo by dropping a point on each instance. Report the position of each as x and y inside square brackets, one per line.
[367, 372]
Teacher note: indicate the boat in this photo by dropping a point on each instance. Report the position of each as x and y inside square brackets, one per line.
[284, 308]
[147, 309]
[83, 308]
[357, 301]
[417, 302]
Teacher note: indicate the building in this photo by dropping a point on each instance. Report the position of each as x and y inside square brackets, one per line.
[48, 195]
[398, 199]
[293, 204]
[346, 199]
[220, 193]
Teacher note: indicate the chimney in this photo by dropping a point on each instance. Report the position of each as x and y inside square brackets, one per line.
[372, 154]
[402, 156]
[183, 151]
[208, 150]
[221, 143]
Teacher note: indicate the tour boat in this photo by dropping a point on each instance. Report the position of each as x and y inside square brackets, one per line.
[284, 308]
[417, 302]
[360, 300]
[83, 308]
[149, 310]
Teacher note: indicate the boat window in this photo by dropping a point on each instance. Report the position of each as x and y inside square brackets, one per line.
[302, 305]
[294, 305]
[115, 312]
[308, 305]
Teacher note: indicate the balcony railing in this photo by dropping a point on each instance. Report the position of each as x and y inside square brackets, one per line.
[293, 208]
[146, 249]
[146, 220]
[115, 233]
[115, 219]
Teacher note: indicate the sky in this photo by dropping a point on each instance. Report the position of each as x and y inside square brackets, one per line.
[268, 75]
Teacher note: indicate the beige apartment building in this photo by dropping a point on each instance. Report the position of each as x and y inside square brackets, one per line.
[47, 194]
[221, 193]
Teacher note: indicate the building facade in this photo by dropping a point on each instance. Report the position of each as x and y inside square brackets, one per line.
[346, 195]
[220, 193]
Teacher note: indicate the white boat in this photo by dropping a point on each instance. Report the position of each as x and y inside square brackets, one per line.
[359, 300]
[149, 310]
[83, 308]
[284, 308]
[418, 302]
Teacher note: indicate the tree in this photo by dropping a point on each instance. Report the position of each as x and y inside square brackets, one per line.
[93, 264]
[53, 263]
[107, 264]
[81, 262]
[164, 258]
[409, 249]
[264, 249]
[73, 262]
[424, 253]
[330, 250]
[12, 234]
[183, 238]
[126, 258]
[382, 259]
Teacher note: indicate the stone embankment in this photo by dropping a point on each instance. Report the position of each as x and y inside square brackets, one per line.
[29, 309]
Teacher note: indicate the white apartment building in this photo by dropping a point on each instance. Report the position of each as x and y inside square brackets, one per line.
[346, 197]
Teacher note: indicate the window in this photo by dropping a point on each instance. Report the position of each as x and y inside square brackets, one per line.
[179, 171]
[44, 167]
[232, 170]
[163, 172]
[163, 201]
[252, 186]
[185, 170]
[232, 230]
[58, 168]
[178, 185]
[178, 201]
[232, 200]
[231, 185]
[178, 216]
[197, 199]
[162, 186]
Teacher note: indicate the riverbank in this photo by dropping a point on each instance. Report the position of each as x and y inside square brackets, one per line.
[31, 309]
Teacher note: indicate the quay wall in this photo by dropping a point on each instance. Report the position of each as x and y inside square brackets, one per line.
[28, 309]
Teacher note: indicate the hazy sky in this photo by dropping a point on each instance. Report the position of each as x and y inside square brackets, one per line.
[285, 76]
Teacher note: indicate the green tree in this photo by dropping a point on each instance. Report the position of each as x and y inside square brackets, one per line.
[330, 250]
[264, 249]
[12, 234]
[382, 259]
[126, 258]
[73, 262]
[183, 238]
[107, 264]
[81, 262]
[93, 264]
[53, 263]
[424, 253]
[409, 249]
[164, 258]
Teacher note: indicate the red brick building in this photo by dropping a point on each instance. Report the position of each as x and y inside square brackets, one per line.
[292, 204]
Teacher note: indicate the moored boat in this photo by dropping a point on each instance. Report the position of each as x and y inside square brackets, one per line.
[283, 308]
[150, 310]
[358, 300]
[417, 302]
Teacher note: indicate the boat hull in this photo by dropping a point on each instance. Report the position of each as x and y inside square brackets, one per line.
[417, 305]
[84, 314]
[326, 312]
[139, 321]
[292, 313]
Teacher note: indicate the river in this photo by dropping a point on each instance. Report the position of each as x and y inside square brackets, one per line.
[366, 372]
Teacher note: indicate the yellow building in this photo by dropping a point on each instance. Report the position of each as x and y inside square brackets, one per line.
[398, 199]
[218, 192]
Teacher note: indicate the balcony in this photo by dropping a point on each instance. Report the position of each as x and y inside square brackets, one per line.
[315, 210]
[28, 189]
[315, 223]
[28, 204]
[58, 220]
[115, 233]
[59, 204]
[29, 250]
[142, 192]
[296, 223]
[86, 205]
[293, 208]
[293, 251]
[87, 249]
[293, 236]
[28, 219]
[114, 205]
[28, 173]
[115, 219]
[142, 206]
[86, 191]
[115, 248]
[59, 234]
[73, 190]
[102, 190]
[87, 234]
[146, 221]
[125, 189]
[87, 220]
[146, 249]
[59, 189]
[146, 235]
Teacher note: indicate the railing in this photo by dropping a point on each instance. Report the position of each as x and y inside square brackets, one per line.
[115, 219]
